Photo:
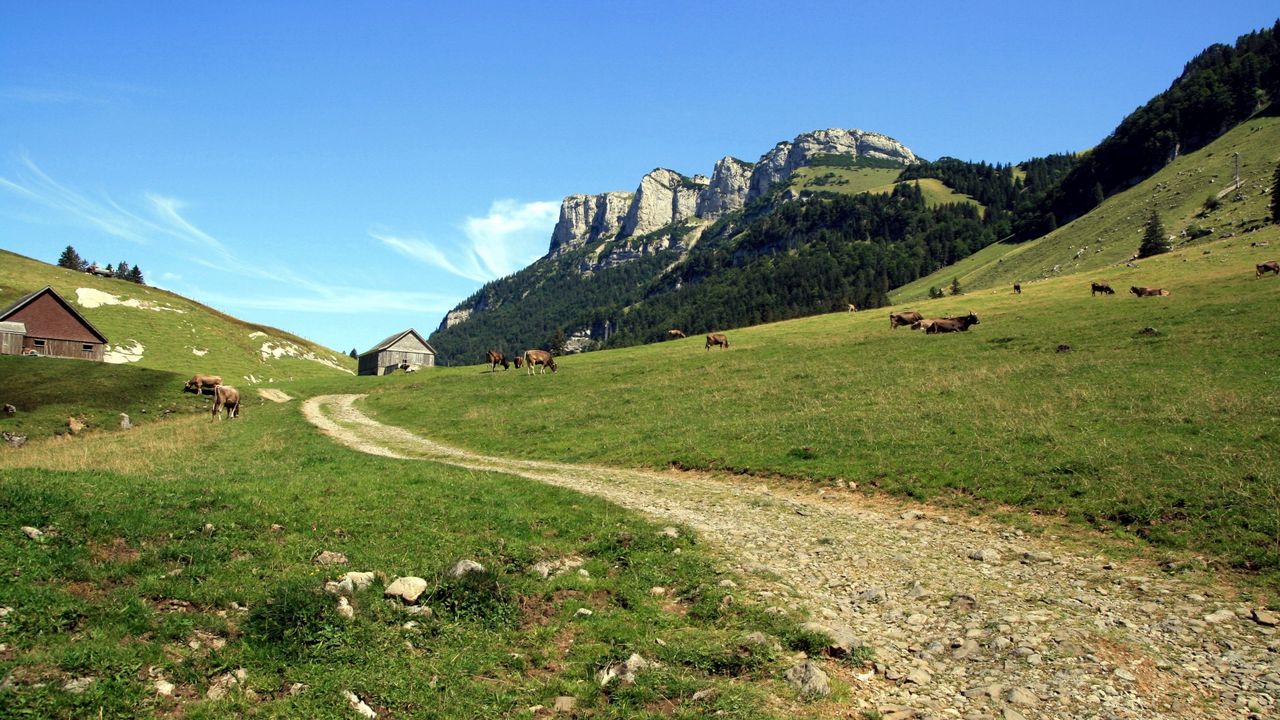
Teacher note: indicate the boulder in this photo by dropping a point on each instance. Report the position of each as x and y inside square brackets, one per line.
[408, 589]
[328, 557]
[809, 680]
[465, 567]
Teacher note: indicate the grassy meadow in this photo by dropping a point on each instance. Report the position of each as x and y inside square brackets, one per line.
[1110, 234]
[1168, 437]
[176, 334]
[858, 180]
[158, 538]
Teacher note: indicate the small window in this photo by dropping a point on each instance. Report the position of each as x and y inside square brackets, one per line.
[37, 343]
[87, 347]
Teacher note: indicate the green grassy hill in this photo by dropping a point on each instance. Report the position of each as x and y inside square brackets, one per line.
[152, 328]
[1109, 235]
[1169, 436]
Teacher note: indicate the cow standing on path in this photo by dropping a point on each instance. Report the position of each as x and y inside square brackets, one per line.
[717, 339]
[539, 357]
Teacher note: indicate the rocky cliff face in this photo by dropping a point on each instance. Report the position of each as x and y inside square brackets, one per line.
[786, 157]
[664, 197]
[727, 190]
[587, 218]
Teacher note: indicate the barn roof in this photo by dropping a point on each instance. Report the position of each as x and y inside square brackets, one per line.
[28, 299]
[395, 339]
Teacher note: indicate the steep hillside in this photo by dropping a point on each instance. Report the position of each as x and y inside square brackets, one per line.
[153, 328]
[1194, 196]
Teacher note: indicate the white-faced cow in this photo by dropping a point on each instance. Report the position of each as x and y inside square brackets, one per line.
[198, 383]
[225, 396]
[947, 325]
[904, 318]
[717, 339]
[539, 357]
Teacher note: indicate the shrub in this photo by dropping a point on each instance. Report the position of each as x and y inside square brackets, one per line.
[296, 614]
[476, 597]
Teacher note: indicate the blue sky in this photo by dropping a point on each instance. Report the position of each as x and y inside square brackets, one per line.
[348, 170]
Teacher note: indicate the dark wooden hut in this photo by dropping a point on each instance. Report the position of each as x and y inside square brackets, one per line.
[50, 326]
[405, 348]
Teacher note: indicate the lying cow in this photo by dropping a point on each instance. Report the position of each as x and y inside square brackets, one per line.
[675, 334]
[904, 318]
[1270, 266]
[539, 357]
[946, 325]
[717, 339]
[496, 358]
[198, 383]
[1105, 289]
[225, 396]
[1148, 291]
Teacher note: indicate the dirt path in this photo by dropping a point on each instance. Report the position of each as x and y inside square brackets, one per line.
[1030, 630]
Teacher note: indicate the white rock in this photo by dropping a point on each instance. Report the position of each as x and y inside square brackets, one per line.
[164, 687]
[465, 567]
[76, 686]
[33, 533]
[359, 580]
[345, 609]
[583, 612]
[328, 557]
[408, 589]
[624, 672]
[359, 705]
[809, 679]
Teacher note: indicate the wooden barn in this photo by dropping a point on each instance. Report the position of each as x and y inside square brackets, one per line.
[42, 323]
[403, 348]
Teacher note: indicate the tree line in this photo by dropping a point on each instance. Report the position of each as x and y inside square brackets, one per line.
[71, 260]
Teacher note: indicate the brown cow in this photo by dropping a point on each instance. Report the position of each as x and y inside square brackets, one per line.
[1148, 291]
[1104, 288]
[496, 358]
[717, 339]
[539, 357]
[946, 325]
[904, 318]
[1017, 288]
[519, 361]
[198, 383]
[225, 396]
[1270, 266]
[674, 334]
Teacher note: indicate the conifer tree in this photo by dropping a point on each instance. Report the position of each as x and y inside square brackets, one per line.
[1153, 240]
[135, 275]
[955, 287]
[354, 355]
[1275, 197]
[122, 270]
[71, 260]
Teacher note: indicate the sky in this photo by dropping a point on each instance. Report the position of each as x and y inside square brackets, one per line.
[345, 171]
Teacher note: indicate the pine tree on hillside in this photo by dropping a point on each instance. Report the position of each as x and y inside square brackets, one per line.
[955, 287]
[71, 260]
[122, 271]
[1275, 197]
[1153, 239]
[135, 275]
[354, 355]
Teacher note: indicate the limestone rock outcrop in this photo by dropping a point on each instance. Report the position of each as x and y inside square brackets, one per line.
[727, 190]
[588, 218]
[664, 197]
[779, 163]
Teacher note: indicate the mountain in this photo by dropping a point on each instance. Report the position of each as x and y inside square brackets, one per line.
[152, 328]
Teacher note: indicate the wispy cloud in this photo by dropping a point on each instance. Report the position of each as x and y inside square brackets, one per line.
[159, 220]
[511, 236]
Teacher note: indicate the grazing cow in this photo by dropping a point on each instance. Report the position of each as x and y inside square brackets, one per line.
[1104, 288]
[496, 358]
[198, 383]
[1270, 266]
[1148, 291]
[539, 357]
[1017, 288]
[853, 308]
[946, 325]
[225, 396]
[519, 361]
[904, 318]
[675, 334]
[717, 339]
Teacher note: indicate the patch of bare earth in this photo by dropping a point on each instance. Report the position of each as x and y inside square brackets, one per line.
[1033, 629]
